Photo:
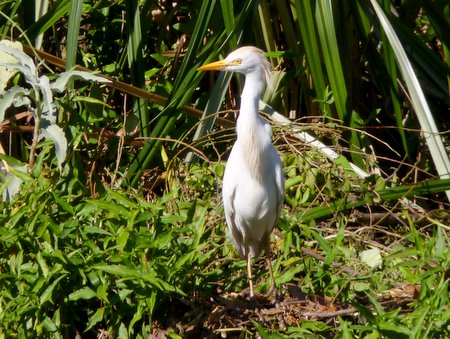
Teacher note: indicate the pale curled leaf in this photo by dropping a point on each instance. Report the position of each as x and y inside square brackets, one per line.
[16, 96]
[60, 83]
[13, 182]
[6, 58]
[47, 105]
[56, 134]
[20, 60]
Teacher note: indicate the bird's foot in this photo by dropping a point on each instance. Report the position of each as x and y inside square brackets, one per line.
[254, 297]
[246, 293]
[272, 291]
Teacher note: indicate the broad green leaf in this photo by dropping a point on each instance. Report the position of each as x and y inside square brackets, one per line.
[90, 100]
[419, 322]
[95, 230]
[264, 333]
[123, 333]
[394, 330]
[47, 295]
[49, 325]
[83, 293]
[109, 206]
[42, 264]
[122, 199]
[122, 238]
[322, 243]
[288, 274]
[119, 270]
[96, 318]
[65, 205]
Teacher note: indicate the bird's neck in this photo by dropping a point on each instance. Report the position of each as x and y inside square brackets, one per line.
[253, 89]
[251, 133]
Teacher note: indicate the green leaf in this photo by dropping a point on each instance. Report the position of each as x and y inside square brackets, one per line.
[42, 264]
[56, 12]
[47, 295]
[83, 293]
[264, 334]
[96, 318]
[73, 30]
[95, 230]
[307, 28]
[120, 270]
[63, 203]
[322, 243]
[49, 325]
[90, 100]
[122, 199]
[109, 206]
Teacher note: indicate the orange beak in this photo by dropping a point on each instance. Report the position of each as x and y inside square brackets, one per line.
[216, 65]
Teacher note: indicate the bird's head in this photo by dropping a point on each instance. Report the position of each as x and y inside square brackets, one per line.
[245, 60]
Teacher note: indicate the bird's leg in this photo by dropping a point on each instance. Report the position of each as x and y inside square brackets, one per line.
[273, 286]
[249, 274]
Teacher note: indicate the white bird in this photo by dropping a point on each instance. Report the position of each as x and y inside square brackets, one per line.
[253, 183]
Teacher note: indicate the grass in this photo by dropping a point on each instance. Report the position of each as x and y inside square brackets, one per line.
[130, 265]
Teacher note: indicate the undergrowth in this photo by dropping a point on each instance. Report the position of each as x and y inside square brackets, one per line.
[125, 265]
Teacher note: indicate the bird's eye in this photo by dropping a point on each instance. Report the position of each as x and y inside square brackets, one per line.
[237, 61]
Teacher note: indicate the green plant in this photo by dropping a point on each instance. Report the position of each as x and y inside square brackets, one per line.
[71, 264]
[36, 95]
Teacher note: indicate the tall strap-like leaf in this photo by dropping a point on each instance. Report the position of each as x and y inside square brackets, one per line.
[312, 50]
[182, 90]
[234, 30]
[55, 13]
[73, 31]
[419, 103]
[140, 116]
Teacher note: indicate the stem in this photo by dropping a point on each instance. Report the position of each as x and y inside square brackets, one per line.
[37, 124]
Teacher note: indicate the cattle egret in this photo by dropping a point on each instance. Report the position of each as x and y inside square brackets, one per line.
[253, 183]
